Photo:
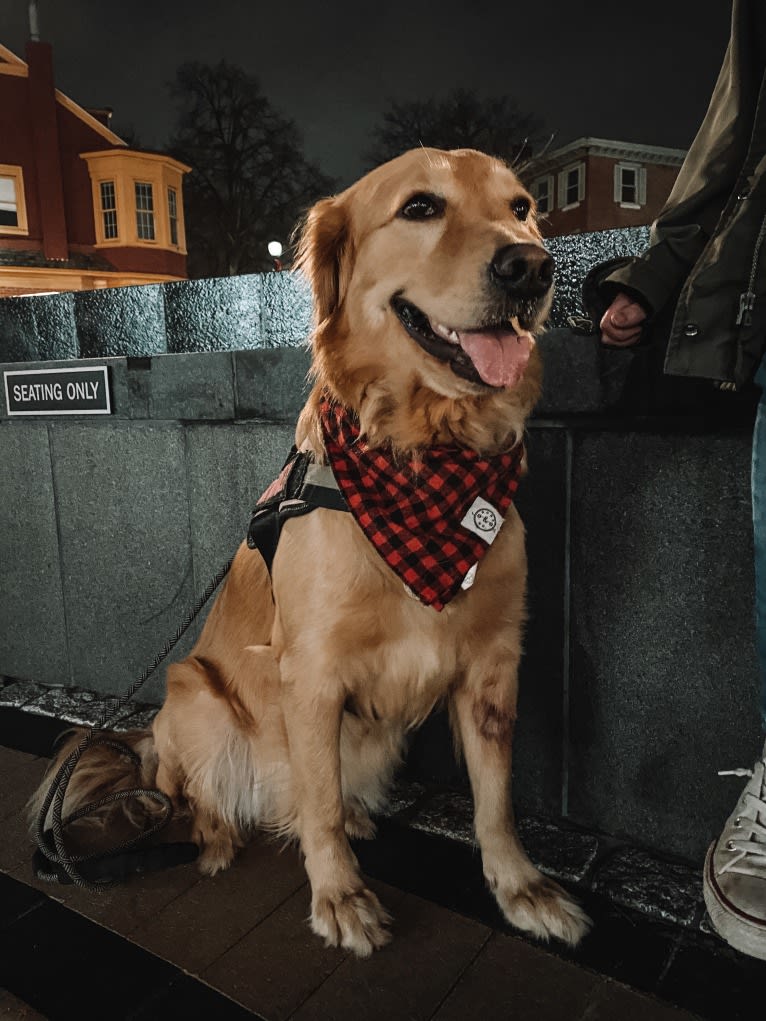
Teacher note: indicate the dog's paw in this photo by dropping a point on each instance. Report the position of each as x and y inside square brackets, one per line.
[216, 855]
[543, 909]
[213, 860]
[355, 921]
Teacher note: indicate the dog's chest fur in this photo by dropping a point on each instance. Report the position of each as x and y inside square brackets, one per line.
[394, 656]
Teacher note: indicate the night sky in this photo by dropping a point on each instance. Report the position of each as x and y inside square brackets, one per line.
[641, 72]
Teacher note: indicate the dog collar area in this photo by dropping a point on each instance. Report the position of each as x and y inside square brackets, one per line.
[431, 519]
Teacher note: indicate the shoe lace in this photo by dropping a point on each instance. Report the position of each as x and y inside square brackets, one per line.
[748, 850]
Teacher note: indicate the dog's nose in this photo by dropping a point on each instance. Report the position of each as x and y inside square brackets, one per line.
[524, 270]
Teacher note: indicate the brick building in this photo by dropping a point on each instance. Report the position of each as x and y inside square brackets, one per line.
[78, 208]
[599, 183]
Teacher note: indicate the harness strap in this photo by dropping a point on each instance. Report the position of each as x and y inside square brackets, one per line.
[320, 488]
[301, 487]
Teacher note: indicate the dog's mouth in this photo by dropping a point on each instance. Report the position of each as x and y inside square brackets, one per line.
[494, 354]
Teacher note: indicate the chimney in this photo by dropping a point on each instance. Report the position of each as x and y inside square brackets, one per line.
[34, 28]
[45, 139]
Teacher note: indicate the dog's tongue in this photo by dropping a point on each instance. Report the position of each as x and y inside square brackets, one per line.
[499, 356]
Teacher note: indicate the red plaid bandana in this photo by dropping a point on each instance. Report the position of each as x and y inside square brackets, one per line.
[431, 519]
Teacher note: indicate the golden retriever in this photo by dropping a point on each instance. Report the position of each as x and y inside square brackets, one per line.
[429, 278]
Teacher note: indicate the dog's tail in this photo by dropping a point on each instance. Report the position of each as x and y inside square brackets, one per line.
[104, 768]
[108, 769]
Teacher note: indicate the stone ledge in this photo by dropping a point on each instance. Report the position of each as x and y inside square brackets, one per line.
[665, 891]
[576, 254]
[262, 310]
[73, 705]
[268, 385]
[634, 879]
[580, 378]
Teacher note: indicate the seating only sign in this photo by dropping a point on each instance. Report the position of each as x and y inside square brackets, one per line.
[81, 391]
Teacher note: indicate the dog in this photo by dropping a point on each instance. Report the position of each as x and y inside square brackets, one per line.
[430, 280]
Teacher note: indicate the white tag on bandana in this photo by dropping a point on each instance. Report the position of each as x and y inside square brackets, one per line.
[483, 520]
[470, 574]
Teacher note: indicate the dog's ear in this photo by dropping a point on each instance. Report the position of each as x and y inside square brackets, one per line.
[324, 254]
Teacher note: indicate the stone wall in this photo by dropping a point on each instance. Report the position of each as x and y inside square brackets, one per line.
[231, 313]
[639, 677]
[227, 314]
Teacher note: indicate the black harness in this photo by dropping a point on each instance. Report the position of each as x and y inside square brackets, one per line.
[302, 486]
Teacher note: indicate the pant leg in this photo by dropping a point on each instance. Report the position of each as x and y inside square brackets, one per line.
[758, 483]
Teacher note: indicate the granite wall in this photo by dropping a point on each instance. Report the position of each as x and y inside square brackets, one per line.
[262, 310]
[638, 682]
[575, 254]
[639, 678]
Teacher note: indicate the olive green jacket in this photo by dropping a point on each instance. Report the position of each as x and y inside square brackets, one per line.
[709, 239]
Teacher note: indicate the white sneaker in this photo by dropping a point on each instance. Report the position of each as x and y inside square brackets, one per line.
[734, 881]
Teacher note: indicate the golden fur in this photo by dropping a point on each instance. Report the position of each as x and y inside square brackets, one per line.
[253, 731]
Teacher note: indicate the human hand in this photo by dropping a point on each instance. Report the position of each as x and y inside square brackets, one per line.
[621, 323]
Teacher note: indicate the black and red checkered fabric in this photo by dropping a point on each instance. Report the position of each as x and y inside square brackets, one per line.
[411, 512]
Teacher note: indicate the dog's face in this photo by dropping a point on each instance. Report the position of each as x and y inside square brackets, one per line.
[429, 272]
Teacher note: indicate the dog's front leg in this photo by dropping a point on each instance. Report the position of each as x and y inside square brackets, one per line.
[484, 706]
[343, 911]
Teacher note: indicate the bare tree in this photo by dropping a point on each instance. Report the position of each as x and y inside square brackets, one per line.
[462, 120]
[250, 181]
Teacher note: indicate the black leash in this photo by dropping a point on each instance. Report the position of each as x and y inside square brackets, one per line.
[97, 871]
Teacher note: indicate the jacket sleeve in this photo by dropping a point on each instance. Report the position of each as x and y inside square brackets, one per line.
[705, 181]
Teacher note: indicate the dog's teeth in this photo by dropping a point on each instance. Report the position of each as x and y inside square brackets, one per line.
[519, 329]
[446, 333]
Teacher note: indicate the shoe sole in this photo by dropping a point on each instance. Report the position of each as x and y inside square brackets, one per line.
[747, 937]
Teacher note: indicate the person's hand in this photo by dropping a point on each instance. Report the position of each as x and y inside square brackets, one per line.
[621, 323]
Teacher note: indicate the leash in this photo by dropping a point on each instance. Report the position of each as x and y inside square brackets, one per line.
[97, 871]
[300, 487]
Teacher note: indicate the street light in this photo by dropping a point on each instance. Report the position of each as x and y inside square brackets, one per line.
[275, 251]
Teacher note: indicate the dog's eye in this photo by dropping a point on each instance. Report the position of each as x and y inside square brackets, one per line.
[422, 207]
[520, 208]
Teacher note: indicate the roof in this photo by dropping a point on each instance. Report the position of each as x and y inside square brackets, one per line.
[609, 147]
[123, 151]
[10, 64]
[31, 257]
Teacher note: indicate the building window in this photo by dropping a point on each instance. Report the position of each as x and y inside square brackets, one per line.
[109, 209]
[630, 185]
[542, 189]
[144, 211]
[173, 215]
[9, 211]
[571, 186]
[13, 211]
[137, 199]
